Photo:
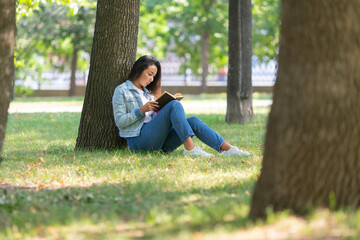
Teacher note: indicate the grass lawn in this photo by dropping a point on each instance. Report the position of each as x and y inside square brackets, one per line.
[49, 191]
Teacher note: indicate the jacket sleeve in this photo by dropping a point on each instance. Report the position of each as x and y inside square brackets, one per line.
[122, 117]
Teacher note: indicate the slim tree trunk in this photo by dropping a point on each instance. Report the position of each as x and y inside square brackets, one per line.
[313, 135]
[112, 56]
[205, 60]
[239, 88]
[205, 48]
[73, 72]
[246, 53]
[7, 44]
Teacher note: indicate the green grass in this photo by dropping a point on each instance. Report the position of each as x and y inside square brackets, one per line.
[47, 99]
[50, 191]
[118, 192]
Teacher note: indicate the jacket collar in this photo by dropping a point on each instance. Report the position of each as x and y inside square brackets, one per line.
[131, 86]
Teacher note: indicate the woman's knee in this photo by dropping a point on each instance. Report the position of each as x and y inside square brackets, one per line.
[174, 104]
[193, 121]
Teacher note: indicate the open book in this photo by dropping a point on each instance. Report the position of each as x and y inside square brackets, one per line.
[167, 97]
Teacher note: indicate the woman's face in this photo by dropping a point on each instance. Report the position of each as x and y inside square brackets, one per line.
[146, 77]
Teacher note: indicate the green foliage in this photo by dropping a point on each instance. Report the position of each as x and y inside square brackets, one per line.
[189, 21]
[153, 29]
[51, 29]
[22, 91]
[178, 26]
[266, 29]
[47, 37]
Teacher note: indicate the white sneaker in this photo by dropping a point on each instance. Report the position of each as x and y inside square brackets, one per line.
[197, 152]
[235, 151]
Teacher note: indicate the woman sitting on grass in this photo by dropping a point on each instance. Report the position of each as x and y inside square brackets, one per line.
[136, 116]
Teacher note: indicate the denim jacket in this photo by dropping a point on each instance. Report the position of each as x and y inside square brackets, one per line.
[126, 103]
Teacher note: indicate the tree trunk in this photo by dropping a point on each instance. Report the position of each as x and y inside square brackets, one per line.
[205, 38]
[113, 54]
[205, 60]
[247, 114]
[239, 87]
[313, 135]
[7, 44]
[73, 72]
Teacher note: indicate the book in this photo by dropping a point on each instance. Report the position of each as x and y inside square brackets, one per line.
[167, 97]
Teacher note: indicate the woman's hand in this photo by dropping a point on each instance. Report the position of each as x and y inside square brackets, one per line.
[149, 106]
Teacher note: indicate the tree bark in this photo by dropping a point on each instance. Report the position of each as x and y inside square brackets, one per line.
[73, 72]
[205, 60]
[239, 87]
[113, 54]
[247, 114]
[205, 48]
[7, 45]
[312, 142]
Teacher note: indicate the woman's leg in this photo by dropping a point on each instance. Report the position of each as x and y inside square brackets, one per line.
[206, 134]
[154, 133]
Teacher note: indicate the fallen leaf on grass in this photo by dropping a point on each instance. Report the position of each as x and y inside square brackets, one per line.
[173, 164]
[41, 159]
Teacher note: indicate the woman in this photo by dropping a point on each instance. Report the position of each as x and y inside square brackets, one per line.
[146, 129]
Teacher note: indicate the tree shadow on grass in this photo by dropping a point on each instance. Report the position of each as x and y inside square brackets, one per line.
[146, 208]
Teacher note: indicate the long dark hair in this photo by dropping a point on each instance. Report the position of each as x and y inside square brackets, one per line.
[143, 63]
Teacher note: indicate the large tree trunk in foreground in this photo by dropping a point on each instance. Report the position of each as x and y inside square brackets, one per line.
[7, 44]
[312, 153]
[113, 54]
[239, 87]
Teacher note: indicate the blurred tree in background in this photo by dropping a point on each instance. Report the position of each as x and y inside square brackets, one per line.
[50, 36]
[153, 28]
[183, 23]
[57, 34]
[198, 31]
[266, 29]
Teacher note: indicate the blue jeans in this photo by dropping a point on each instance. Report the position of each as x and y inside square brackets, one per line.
[170, 128]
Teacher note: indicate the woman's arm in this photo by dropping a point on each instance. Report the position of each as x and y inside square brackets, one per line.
[122, 117]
